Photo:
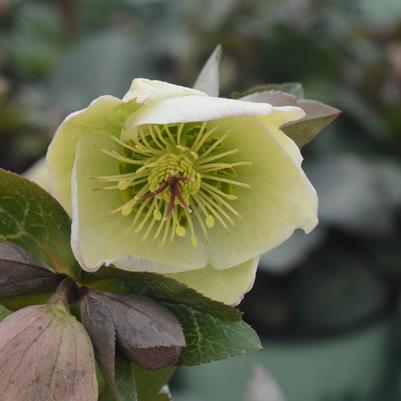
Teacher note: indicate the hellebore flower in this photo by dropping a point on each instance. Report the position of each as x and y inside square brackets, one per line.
[173, 181]
[46, 354]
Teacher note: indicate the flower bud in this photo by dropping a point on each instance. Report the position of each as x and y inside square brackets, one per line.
[46, 354]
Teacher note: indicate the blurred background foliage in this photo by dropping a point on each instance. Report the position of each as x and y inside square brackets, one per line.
[58, 55]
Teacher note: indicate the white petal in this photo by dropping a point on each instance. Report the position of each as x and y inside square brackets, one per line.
[201, 108]
[149, 92]
[38, 173]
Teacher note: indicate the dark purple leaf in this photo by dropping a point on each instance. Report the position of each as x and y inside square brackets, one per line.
[98, 321]
[153, 358]
[21, 274]
[146, 332]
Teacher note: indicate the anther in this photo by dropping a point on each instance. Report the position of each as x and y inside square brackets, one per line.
[180, 231]
[209, 221]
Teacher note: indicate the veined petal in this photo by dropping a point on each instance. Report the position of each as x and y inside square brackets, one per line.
[104, 116]
[148, 92]
[227, 286]
[280, 199]
[98, 237]
[196, 108]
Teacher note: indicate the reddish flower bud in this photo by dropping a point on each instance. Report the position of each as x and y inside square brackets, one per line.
[46, 354]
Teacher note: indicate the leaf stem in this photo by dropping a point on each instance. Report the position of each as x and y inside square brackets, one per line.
[65, 294]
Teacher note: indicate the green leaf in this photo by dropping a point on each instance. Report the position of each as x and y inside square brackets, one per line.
[32, 218]
[4, 312]
[125, 383]
[293, 88]
[15, 303]
[158, 287]
[150, 382]
[318, 116]
[211, 339]
[208, 80]
[164, 395]
[213, 331]
[125, 380]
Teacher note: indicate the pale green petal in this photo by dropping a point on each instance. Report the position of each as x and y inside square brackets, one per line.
[280, 199]
[198, 108]
[228, 286]
[279, 117]
[148, 92]
[98, 237]
[39, 174]
[104, 116]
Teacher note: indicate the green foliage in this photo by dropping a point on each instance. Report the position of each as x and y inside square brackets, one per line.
[125, 381]
[212, 339]
[213, 331]
[149, 383]
[4, 312]
[32, 218]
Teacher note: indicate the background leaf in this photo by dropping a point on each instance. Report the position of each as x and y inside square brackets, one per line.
[33, 219]
[262, 387]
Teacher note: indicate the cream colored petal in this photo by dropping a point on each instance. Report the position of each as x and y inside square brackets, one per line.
[279, 117]
[39, 173]
[104, 116]
[98, 237]
[198, 108]
[227, 286]
[280, 199]
[148, 92]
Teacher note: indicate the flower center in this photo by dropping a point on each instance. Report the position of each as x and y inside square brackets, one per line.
[174, 179]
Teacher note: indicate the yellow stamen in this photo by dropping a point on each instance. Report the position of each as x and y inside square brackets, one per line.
[171, 183]
[209, 221]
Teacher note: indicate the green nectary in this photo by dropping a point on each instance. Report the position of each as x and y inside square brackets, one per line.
[173, 177]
